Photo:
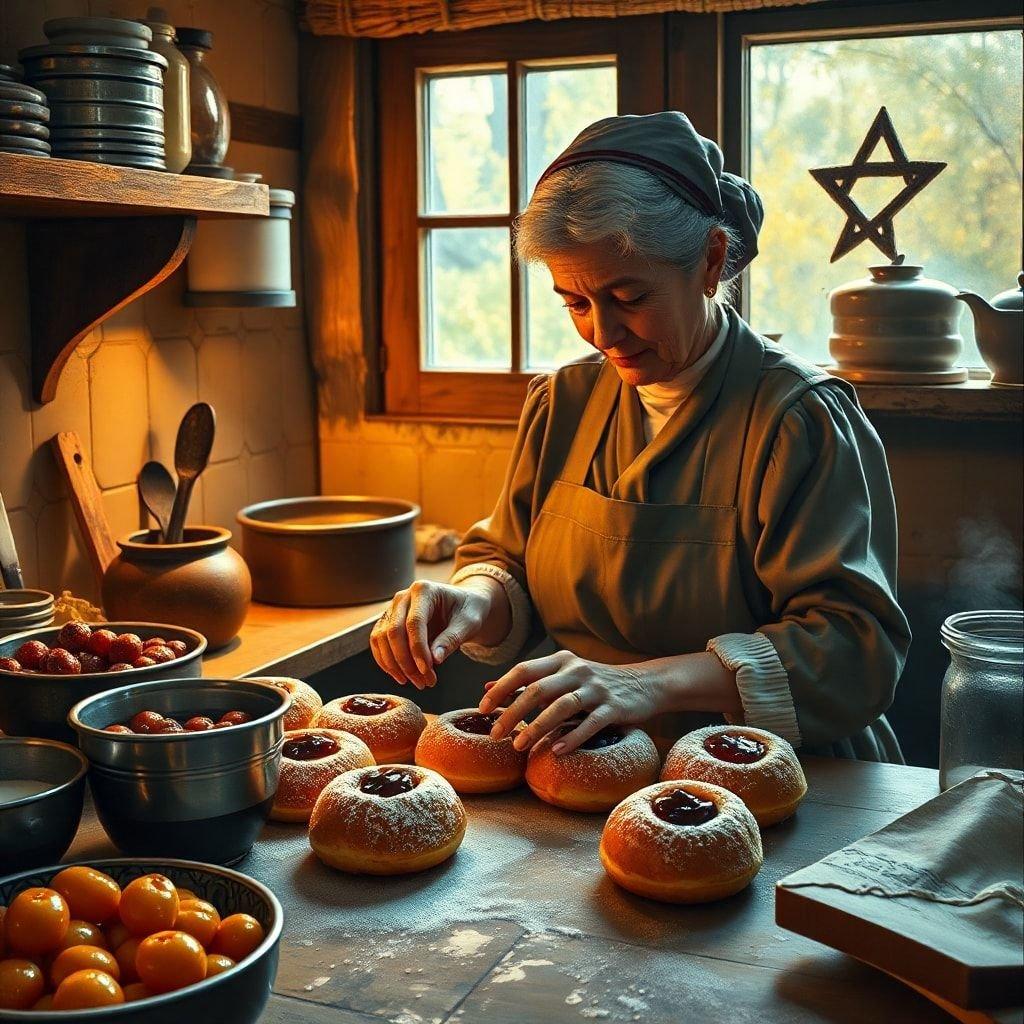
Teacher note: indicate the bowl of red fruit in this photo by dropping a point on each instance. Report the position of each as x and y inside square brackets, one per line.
[45, 672]
[183, 768]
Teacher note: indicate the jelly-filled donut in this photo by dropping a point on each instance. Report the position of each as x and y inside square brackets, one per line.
[387, 820]
[389, 725]
[603, 770]
[682, 842]
[306, 702]
[458, 745]
[310, 758]
[758, 766]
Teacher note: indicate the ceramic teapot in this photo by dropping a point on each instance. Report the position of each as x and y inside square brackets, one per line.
[999, 329]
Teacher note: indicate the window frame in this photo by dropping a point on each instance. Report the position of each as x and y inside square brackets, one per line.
[742, 31]
[409, 390]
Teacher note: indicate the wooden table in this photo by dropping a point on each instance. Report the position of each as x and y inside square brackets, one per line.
[301, 641]
[522, 926]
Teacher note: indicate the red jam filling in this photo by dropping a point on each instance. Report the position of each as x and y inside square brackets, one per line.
[476, 723]
[390, 783]
[310, 747]
[683, 808]
[734, 748]
[607, 737]
[366, 705]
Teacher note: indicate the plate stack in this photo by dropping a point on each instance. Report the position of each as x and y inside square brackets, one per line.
[21, 610]
[105, 90]
[23, 116]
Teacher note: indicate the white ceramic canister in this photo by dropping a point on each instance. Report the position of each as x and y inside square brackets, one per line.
[177, 119]
[245, 256]
[896, 327]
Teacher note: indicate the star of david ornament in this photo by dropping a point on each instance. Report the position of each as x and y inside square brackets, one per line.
[838, 182]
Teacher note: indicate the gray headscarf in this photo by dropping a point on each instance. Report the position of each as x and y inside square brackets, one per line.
[667, 146]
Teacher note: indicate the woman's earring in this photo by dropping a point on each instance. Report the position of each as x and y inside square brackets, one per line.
[710, 290]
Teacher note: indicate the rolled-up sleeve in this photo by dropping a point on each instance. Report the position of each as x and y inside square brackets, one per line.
[826, 555]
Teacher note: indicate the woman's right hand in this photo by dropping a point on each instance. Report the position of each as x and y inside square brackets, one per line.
[429, 621]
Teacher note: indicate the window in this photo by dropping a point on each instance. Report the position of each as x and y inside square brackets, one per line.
[954, 95]
[464, 327]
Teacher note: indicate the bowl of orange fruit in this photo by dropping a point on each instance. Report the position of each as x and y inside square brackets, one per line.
[137, 942]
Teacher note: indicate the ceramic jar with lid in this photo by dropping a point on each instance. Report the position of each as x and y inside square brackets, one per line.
[177, 119]
[201, 583]
[999, 332]
[244, 261]
[896, 327]
[208, 106]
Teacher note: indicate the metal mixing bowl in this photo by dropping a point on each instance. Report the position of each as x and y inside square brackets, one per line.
[202, 795]
[38, 704]
[234, 997]
[38, 829]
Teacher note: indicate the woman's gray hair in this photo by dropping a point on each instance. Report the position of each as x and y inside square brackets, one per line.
[622, 205]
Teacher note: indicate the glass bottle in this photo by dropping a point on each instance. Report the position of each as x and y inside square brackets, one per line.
[177, 122]
[211, 122]
[982, 694]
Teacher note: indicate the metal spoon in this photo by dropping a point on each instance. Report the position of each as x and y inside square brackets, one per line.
[156, 486]
[191, 454]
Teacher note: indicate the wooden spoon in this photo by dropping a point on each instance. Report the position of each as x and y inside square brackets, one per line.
[156, 487]
[191, 454]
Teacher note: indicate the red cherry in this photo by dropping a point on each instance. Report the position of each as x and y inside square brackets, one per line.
[119, 666]
[74, 636]
[126, 647]
[224, 725]
[143, 661]
[60, 662]
[198, 723]
[168, 725]
[179, 647]
[146, 721]
[235, 717]
[100, 641]
[10, 665]
[32, 653]
[117, 728]
[161, 654]
[153, 641]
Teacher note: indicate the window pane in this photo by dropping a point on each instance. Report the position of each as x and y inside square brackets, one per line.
[552, 338]
[953, 97]
[466, 143]
[559, 104]
[468, 292]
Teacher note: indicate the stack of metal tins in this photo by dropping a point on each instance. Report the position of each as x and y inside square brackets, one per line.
[23, 116]
[105, 89]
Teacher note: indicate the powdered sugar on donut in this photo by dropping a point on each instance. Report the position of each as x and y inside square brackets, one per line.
[500, 753]
[732, 834]
[410, 823]
[301, 781]
[397, 727]
[633, 755]
[779, 765]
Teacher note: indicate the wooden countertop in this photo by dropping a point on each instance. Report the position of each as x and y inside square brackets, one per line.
[522, 925]
[301, 641]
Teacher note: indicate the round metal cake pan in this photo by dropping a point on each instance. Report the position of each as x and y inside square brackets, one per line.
[22, 152]
[112, 149]
[325, 551]
[111, 69]
[86, 52]
[21, 93]
[29, 111]
[24, 142]
[105, 90]
[141, 135]
[111, 115]
[31, 129]
[98, 31]
[119, 160]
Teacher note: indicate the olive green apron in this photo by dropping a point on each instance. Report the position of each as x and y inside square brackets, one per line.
[619, 581]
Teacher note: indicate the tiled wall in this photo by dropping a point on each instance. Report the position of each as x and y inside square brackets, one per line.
[125, 388]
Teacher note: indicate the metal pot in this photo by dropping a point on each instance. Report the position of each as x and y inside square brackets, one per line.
[331, 550]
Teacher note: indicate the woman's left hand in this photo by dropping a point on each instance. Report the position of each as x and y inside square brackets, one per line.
[566, 686]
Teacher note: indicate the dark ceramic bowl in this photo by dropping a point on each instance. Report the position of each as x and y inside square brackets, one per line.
[38, 704]
[201, 795]
[234, 997]
[38, 829]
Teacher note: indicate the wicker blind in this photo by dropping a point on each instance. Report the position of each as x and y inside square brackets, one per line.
[384, 18]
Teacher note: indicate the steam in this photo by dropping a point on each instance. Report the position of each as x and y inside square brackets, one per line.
[987, 573]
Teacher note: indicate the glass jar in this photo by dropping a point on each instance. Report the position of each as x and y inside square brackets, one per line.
[177, 119]
[982, 694]
[208, 106]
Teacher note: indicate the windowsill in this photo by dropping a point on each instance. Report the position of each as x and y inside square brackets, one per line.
[972, 400]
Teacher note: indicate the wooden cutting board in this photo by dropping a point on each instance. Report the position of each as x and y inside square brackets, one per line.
[86, 501]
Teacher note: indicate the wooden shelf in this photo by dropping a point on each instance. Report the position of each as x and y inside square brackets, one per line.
[34, 187]
[99, 236]
[972, 400]
[277, 641]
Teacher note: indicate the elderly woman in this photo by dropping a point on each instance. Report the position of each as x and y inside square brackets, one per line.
[702, 522]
